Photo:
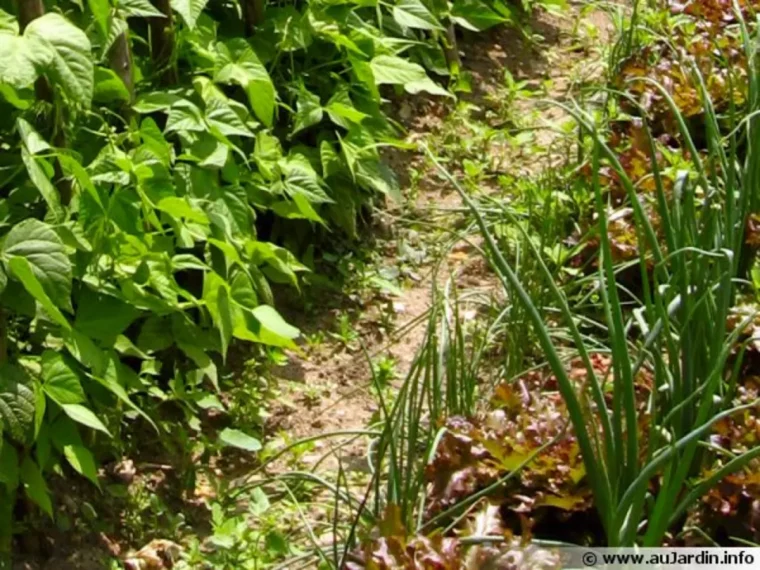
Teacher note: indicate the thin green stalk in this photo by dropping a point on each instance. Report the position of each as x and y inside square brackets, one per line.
[594, 468]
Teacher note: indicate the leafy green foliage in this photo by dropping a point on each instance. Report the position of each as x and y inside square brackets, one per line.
[240, 440]
[145, 214]
[16, 403]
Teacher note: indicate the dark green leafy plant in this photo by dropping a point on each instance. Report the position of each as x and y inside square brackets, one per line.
[163, 164]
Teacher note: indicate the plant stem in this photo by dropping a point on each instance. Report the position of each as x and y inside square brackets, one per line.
[253, 14]
[28, 11]
[162, 43]
[451, 51]
[120, 59]
[3, 336]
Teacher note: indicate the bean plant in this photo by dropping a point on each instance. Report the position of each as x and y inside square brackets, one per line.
[164, 165]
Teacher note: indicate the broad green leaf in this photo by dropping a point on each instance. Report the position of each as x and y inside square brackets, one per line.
[209, 152]
[60, 382]
[22, 270]
[3, 279]
[64, 432]
[42, 183]
[155, 335]
[236, 438]
[389, 69]
[279, 263]
[72, 65]
[17, 402]
[80, 458]
[414, 14]
[263, 289]
[205, 366]
[231, 211]
[241, 65]
[117, 26]
[307, 186]
[21, 59]
[84, 416]
[185, 261]
[161, 279]
[8, 22]
[332, 164]
[182, 208]
[36, 243]
[386, 285]
[292, 27]
[267, 153]
[210, 402]
[138, 8]
[309, 111]
[259, 504]
[217, 298]
[263, 325]
[220, 114]
[427, 85]
[225, 323]
[344, 213]
[124, 345]
[16, 298]
[153, 138]
[32, 140]
[195, 343]
[341, 114]
[103, 317]
[65, 436]
[341, 108]
[261, 97]
[113, 381]
[35, 486]
[475, 15]
[394, 70]
[372, 173]
[109, 87]
[8, 465]
[298, 208]
[231, 255]
[272, 321]
[189, 10]
[184, 116]
[40, 405]
[21, 99]
[354, 145]
[42, 447]
[156, 101]
[298, 163]
[101, 10]
[85, 351]
[72, 167]
[242, 291]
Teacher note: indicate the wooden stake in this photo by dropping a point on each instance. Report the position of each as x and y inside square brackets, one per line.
[162, 43]
[253, 14]
[120, 60]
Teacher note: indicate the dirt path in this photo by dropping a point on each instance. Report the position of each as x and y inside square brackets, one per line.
[328, 389]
